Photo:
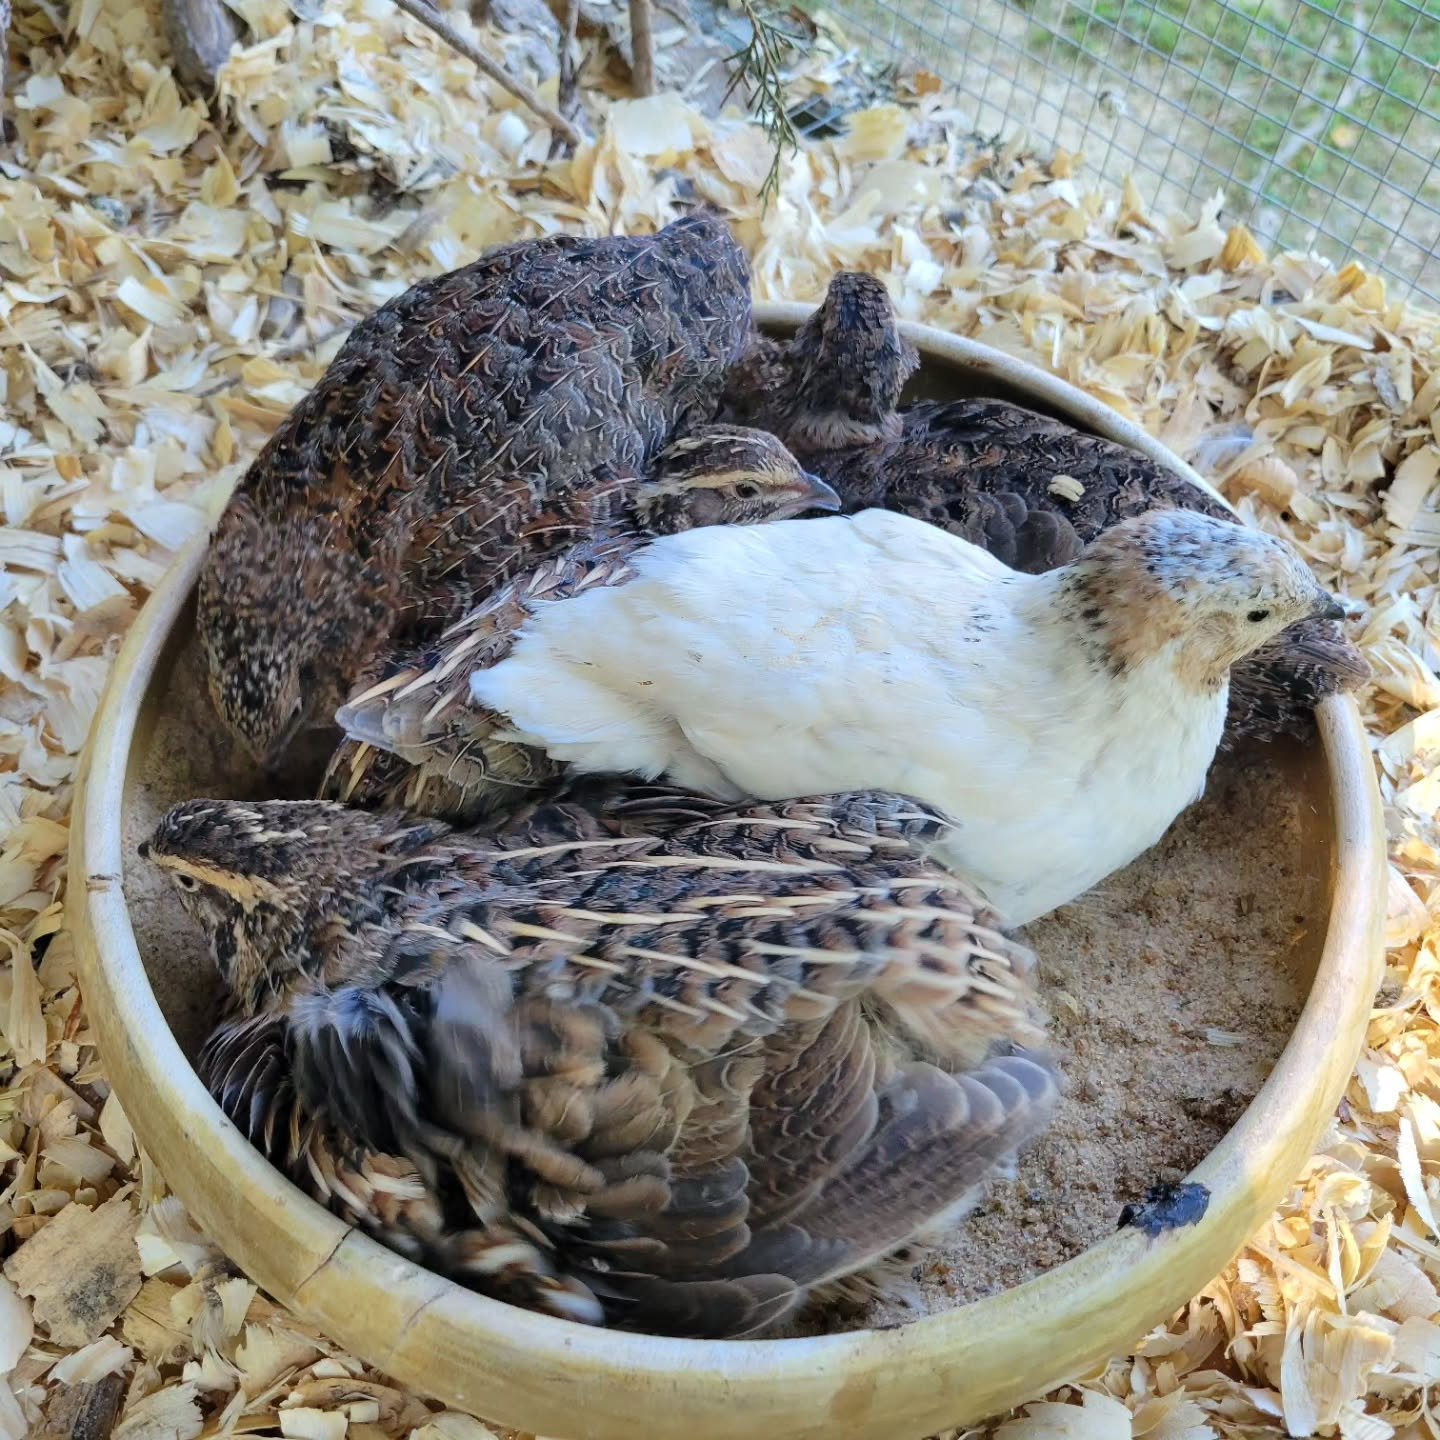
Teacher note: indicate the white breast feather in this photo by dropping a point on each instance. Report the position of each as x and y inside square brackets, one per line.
[817, 656]
[765, 648]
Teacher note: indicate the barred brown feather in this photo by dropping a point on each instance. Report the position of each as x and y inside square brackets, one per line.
[413, 740]
[637, 1059]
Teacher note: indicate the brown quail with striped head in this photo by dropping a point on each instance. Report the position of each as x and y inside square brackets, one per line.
[646, 1061]
[722, 475]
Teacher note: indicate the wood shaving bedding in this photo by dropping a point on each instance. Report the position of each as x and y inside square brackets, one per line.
[171, 284]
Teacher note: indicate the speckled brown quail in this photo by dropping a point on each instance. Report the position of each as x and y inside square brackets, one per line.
[645, 1060]
[719, 475]
[527, 387]
[1031, 490]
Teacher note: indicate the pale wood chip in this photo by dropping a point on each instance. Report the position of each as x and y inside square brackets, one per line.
[81, 1270]
[16, 1325]
[172, 1413]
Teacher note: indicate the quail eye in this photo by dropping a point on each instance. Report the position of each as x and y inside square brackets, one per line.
[187, 882]
[747, 489]
[1256, 616]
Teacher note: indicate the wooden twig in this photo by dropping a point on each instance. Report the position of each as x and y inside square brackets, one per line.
[4, 53]
[642, 48]
[568, 98]
[569, 71]
[433, 20]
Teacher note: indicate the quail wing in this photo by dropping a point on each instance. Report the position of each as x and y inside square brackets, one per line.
[414, 741]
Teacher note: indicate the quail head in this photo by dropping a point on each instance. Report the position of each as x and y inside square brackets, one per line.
[723, 475]
[1029, 489]
[835, 386]
[647, 1061]
[534, 380]
[1060, 720]
[720, 475]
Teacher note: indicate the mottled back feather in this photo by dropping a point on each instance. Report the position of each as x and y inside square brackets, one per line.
[613, 1061]
[463, 428]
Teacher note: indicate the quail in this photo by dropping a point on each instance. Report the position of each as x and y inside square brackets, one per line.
[1061, 721]
[1030, 489]
[720, 475]
[638, 1059]
[530, 384]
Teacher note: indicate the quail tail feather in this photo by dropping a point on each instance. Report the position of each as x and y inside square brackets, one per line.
[414, 740]
[1275, 691]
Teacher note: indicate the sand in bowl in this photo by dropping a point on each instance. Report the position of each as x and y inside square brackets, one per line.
[1172, 990]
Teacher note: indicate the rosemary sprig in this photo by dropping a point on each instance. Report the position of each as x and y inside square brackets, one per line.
[759, 67]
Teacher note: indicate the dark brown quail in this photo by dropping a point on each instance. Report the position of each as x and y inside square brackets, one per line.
[1031, 490]
[720, 475]
[647, 1061]
[527, 387]
[834, 388]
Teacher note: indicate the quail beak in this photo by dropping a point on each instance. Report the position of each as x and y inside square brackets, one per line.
[818, 495]
[1329, 607]
[143, 849]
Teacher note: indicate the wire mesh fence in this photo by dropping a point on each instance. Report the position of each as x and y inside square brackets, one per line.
[1318, 119]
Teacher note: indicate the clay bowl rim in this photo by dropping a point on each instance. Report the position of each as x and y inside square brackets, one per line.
[553, 1377]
